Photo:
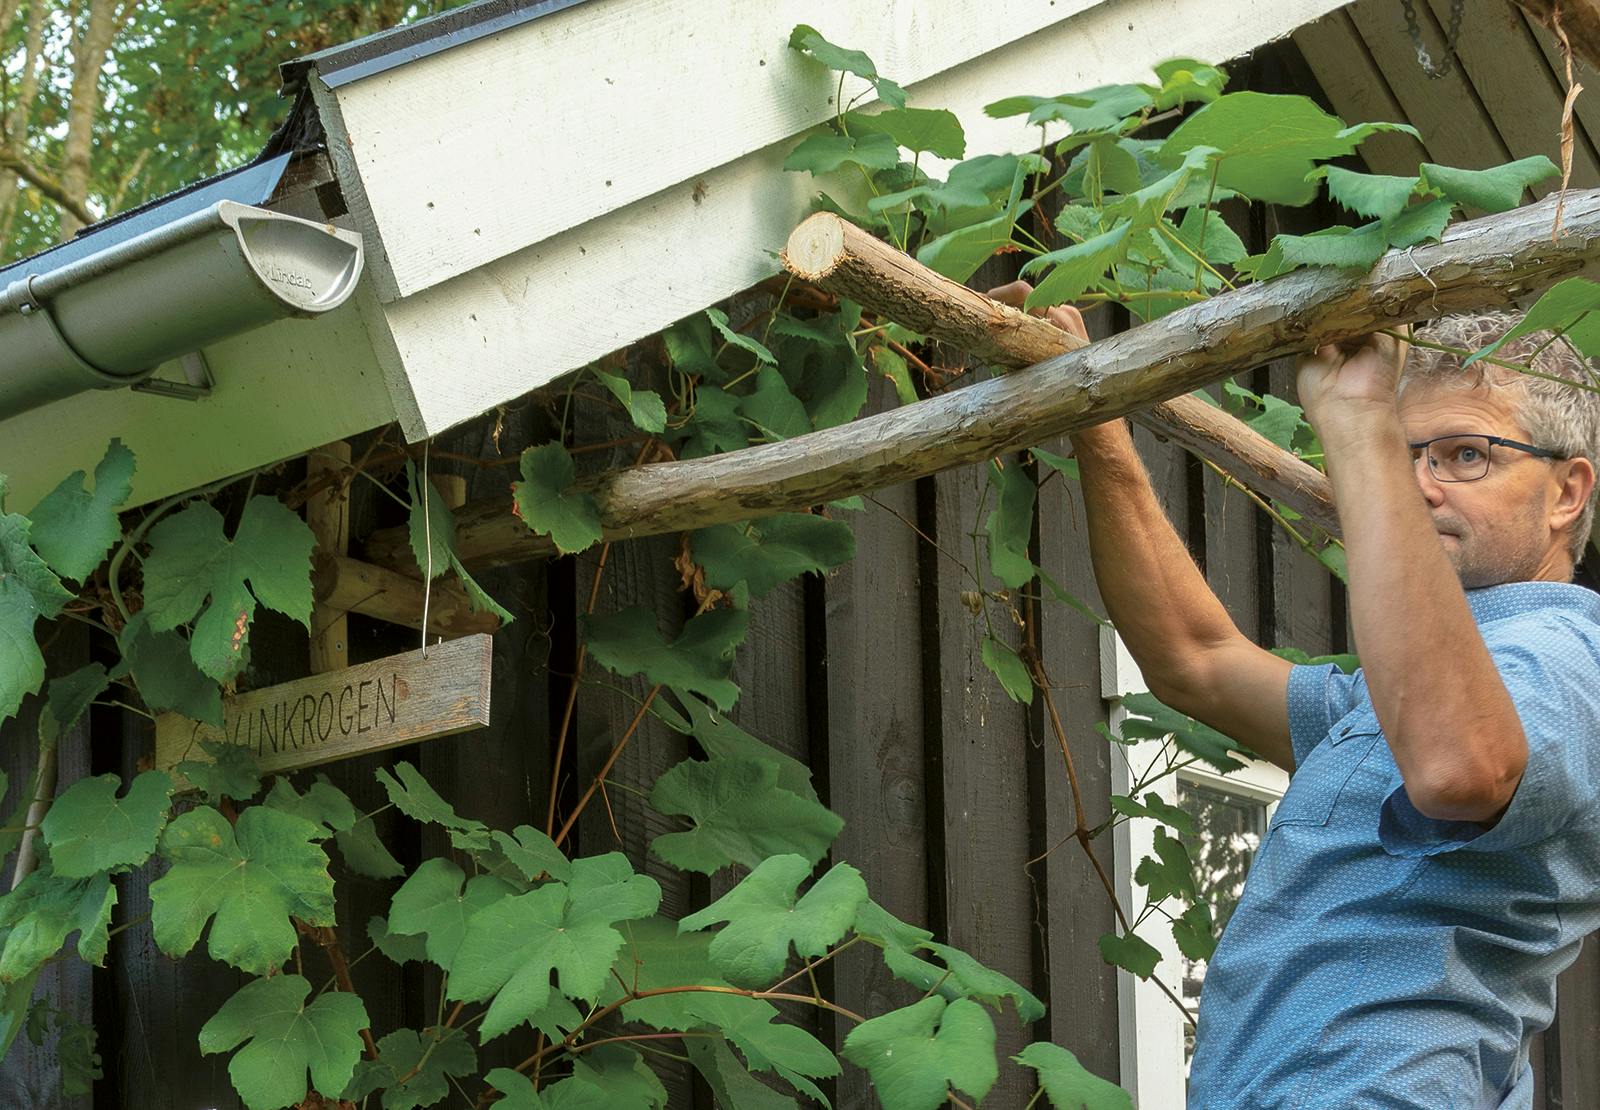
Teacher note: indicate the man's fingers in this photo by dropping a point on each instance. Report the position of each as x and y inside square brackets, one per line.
[1064, 316]
[1014, 294]
[1068, 319]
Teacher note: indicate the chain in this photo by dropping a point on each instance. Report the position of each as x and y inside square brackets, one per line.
[1415, 31]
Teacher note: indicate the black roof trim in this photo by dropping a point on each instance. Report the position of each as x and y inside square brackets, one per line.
[251, 184]
[386, 50]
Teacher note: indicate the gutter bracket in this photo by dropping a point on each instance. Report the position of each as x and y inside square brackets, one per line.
[198, 386]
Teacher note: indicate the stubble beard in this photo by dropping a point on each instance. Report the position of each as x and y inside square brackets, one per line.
[1512, 554]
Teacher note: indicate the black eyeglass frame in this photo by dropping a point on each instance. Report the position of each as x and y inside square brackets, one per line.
[1493, 441]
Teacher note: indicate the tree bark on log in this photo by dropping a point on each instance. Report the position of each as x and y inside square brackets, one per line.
[841, 258]
[1489, 262]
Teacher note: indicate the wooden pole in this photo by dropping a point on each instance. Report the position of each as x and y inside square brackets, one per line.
[1490, 262]
[328, 514]
[841, 258]
[344, 585]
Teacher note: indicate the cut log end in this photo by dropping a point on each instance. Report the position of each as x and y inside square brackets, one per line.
[815, 247]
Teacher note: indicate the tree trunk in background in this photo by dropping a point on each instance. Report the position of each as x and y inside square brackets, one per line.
[16, 122]
[105, 16]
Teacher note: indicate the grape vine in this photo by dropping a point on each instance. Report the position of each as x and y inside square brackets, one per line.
[571, 956]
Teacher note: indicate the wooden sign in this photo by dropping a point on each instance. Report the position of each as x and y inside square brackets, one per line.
[345, 713]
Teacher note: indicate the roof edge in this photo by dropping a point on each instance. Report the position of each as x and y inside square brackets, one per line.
[398, 46]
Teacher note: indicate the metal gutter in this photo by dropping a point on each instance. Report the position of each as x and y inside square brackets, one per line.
[398, 46]
[108, 317]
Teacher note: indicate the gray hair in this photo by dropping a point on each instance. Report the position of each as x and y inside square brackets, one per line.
[1554, 415]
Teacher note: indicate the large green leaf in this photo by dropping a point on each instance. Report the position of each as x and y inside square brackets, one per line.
[28, 590]
[433, 542]
[735, 338]
[438, 901]
[607, 1077]
[37, 917]
[722, 739]
[73, 528]
[254, 876]
[325, 804]
[1374, 195]
[958, 253]
[768, 552]
[808, 40]
[165, 672]
[1496, 189]
[193, 570]
[1571, 307]
[414, 1069]
[1068, 1084]
[933, 131]
[656, 956]
[774, 411]
[89, 829]
[1266, 144]
[1076, 268]
[764, 916]
[699, 660]
[287, 1038]
[1007, 666]
[548, 502]
[1184, 81]
[1130, 952]
[228, 771]
[511, 948]
[644, 406]
[961, 977]
[730, 1082]
[1150, 720]
[913, 1066]
[715, 424]
[826, 152]
[68, 698]
[1169, 873]
[1009, 524]
[739, 815]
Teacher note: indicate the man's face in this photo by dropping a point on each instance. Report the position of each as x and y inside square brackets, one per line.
[1498, 528]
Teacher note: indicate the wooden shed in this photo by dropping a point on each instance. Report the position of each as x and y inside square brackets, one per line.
[541, 184]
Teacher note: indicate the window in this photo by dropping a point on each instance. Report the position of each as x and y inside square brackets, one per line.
[1231, 814]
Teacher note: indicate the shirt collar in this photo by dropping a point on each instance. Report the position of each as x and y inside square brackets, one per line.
[1512, 599]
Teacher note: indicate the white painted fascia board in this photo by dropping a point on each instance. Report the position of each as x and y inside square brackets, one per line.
[473, 153]
[518, 322]
[281, 390]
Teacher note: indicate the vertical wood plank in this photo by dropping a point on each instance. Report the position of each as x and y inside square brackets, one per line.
[1358, 90]
[1577, 1031]
[988, 904]
[1083, 1005]
[1516, 88]
[1447, 112]
[637, 573]
[875, 744]
[328, 514]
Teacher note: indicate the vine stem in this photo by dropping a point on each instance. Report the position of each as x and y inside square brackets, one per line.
[1081, 831]
[577, 674]
[616, 752]
[328, 941]
[1461, 352]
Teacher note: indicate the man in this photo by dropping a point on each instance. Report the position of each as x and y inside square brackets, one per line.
[1436, 860]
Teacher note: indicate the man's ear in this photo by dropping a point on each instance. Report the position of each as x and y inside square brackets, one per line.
[1576, 486]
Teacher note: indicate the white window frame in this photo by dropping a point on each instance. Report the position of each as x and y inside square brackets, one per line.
[1150, 1027]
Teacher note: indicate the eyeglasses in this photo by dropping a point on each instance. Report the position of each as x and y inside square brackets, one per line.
[1466, 458]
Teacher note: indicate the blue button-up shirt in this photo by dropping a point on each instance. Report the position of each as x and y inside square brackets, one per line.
[1381, 958]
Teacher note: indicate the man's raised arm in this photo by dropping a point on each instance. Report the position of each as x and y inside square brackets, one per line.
[1191, 654]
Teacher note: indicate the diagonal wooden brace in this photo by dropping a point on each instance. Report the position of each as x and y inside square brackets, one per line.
[841, 258]
[1490, 262]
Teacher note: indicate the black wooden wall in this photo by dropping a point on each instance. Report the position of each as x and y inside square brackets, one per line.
[955, 798]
